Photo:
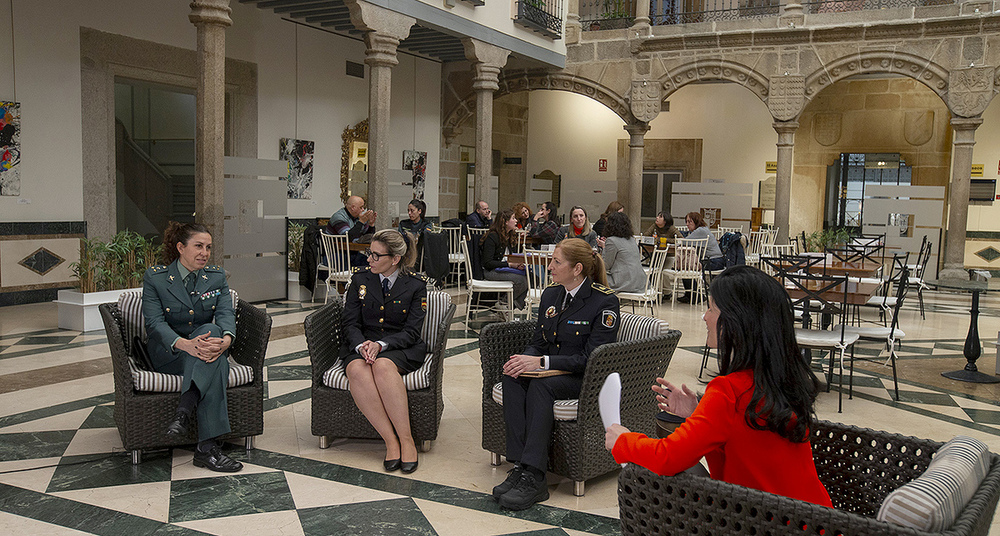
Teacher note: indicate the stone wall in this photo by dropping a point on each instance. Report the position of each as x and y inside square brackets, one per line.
[510, 137]
[450, 173]
[896, 115]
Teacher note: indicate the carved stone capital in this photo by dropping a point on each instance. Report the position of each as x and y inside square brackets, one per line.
[786, 96]
[970, 90]
[786, 132]
[965, 130]
[636, 133]
[210, 12]
[644, 100]
[487, 60]
[384, 29]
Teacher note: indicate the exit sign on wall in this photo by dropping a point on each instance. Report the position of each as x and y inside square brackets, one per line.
[770, 167]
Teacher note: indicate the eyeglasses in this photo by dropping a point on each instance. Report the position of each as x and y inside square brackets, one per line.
[375, 256]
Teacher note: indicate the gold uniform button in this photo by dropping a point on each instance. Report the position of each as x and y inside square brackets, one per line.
[189, 323]
[382, 308]
[404, 311]
[213, 307]
[191, 312]
[168, 309]
[380, 320]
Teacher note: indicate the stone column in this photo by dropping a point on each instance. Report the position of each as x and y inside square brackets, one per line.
[641, 23]
[958, 196]
[383, 30]
[783, 183]
[211, 18]
[573, 28]
[636, 145]
[487, 60]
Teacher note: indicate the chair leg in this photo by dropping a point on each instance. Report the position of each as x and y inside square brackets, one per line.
[495, 459]
[425, 445]
[704, 360]
[136, 457]
[840, 395]
[892, 357]
[249, 442]
[324, 442]
[920, 297]
[850, 383]
[578, 488]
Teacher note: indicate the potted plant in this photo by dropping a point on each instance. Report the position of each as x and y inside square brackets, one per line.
[104, 271]
[818, 241]
[296, 234]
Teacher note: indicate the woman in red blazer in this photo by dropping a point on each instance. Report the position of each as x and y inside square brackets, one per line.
[752, 425]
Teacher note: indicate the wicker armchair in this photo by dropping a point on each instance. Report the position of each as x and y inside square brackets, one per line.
[142, 417]
[334, 413]
[577, 449]
[858, 466]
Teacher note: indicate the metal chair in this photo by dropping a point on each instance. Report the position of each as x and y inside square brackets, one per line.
[918, 270]
[687, 264]
[480, 286]
[652, 293]
[338, 261]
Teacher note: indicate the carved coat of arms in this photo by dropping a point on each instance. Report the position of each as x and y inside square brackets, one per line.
[786, 97]
[970, 90]
[645, 100]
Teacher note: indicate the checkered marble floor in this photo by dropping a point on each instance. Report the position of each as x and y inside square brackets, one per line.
[63, 471]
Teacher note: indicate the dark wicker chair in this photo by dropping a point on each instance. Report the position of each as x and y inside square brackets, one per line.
[577, 449]
[142, 417]
[858, 466]
[334, 413]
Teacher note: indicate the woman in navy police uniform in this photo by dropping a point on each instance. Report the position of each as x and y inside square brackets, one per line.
[577, 314]
[383, 313]
[190, 325]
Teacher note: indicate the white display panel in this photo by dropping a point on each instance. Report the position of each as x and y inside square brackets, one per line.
[730, 201]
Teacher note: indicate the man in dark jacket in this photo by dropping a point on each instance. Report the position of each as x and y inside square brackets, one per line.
[481, 218]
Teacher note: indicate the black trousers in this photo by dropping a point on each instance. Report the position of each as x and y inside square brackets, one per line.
[527, 410]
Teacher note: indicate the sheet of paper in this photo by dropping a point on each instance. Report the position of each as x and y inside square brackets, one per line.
[610, 400]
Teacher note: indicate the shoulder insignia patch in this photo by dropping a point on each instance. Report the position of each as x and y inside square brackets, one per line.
[213, 268]
[609, 318]
[358, 269]
[159, 268]
[601, 288]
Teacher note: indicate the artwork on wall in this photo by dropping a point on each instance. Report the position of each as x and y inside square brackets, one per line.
[416, 161]
[713, 216]
[10, 148]
[299, 154]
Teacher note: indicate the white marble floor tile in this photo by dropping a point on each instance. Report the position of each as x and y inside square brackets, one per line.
[182, 467]
[21, 475]
[150, 500]
[284, 523]
[65, 421]
[447, 519]
[12, 524]
[311, 492]
[94, 441]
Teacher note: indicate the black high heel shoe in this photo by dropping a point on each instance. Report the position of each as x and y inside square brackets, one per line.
[393, 465]
[409, 467]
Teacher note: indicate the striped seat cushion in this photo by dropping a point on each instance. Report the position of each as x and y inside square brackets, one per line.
[932, 501]
[639, 327]
[130, 306]
[437, 306]
[562, 410]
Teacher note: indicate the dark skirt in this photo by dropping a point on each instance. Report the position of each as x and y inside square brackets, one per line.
[406, 360]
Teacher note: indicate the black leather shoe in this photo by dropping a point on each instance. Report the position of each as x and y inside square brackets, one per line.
[391, 465]
[408, 467]
[512, 477]
[525, 493]
[215, 460]
[179, 426]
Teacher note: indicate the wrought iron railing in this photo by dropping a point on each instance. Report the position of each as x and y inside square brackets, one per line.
[543, 16]
[607, 14]
[839, 6]
[690, 11]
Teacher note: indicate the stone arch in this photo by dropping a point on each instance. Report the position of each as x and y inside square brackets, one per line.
[517, 81]
[714, 69]
[923, 70]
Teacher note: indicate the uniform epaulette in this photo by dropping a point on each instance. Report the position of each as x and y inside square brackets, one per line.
[213, 268]
[601, 288]
[552, 285]
[159, 268]
[357, 269]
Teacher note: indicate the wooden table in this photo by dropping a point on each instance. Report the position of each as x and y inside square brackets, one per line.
[360, 247]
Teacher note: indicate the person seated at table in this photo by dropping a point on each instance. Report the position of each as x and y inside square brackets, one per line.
[496, 243]
[523, 213]
[355, 221]
[482, 217]
[613, 206]
[188, 314]
[578, 227]
[663, 226]
[621, 256]
[713, 260]
[383, 313]
[752, 425]
[578, 313]
[416, 224]
[544, 227]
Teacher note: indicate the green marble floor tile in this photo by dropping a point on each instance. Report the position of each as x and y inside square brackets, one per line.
[278, 359]
[31, 445]
[543, 532]
[287, 399]
[984, 416]
[461, 349]
[289, 372]
[398, 517]
[51, 339]
[923, 397]
[82, 472]
[82, 517]
[101, 417]
[58, 409]
[229, 495]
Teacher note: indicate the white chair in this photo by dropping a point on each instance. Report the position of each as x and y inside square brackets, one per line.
[687, 264]
[456, 259]
[536, 263]
[755, 247]
[338, 262]
[482, 285]
[652, 293]
[476, 234]
[724, 230]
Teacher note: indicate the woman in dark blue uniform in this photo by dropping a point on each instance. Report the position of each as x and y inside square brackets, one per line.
[577, 314]
[383, 314]
[190, 324]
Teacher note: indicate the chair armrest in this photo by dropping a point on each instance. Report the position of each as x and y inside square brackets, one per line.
[323, 338]
[497, 342]
[253, 331]
[113, 323]
[437, 372]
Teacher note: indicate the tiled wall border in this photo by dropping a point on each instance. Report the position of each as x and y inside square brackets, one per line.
[39, 231]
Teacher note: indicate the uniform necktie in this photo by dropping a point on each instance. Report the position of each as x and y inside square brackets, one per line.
[569, 300]
[189, 282]
[385, 287]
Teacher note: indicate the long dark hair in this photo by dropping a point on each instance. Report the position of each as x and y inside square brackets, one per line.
[618, 225]
[668, 220]
[420, 206]
[499, 226]
[179, 233]
[756, 332]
